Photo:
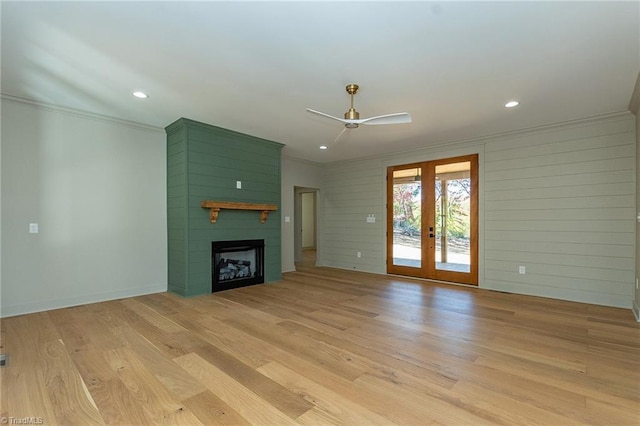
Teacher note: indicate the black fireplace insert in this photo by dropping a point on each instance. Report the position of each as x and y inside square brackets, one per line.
[236, 264]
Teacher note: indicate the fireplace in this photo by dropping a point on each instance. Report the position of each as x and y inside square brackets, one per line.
[236, 264]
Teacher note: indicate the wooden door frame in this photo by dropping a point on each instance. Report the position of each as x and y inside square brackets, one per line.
[428, 266]
[458, 277]
[391, 268]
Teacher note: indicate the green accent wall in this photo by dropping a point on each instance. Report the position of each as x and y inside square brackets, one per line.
[203, 163]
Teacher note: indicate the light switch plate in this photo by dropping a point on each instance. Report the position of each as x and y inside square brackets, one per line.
[33, 228]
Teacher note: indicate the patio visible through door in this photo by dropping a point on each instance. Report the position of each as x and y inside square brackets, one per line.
[432, 221]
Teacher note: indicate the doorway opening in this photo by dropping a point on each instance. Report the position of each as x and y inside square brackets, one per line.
[306, 226]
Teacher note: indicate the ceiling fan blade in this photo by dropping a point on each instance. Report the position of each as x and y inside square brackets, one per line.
[397, 118]
[342, 120]
[340, 134]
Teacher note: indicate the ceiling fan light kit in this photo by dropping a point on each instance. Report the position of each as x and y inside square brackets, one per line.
[352, 118]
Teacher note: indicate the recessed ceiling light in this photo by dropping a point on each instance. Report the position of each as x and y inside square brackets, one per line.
[511, 104]
[323, 147]
[139, 94]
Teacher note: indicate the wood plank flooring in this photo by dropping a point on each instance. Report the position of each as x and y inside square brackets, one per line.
[325, 346]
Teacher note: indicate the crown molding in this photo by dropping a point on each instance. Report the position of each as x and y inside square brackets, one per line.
[77, 113]
[302, 160]
[482, 140]
[634, 104]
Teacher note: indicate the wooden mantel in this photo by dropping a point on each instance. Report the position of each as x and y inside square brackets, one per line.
[215, 207]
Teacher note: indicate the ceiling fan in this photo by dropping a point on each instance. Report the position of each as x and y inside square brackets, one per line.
[352, 118]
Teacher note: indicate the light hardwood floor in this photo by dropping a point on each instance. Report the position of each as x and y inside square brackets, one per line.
[325, 346]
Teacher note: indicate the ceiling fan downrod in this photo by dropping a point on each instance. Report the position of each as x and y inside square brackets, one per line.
[352, 114]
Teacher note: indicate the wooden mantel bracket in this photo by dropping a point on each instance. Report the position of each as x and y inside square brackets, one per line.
[215, 207]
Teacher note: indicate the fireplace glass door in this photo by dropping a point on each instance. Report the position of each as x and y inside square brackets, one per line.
[236, 264]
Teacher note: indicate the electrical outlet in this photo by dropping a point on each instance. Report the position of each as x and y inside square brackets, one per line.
[33, 228]
[359, 254]
[238, 184]
[522, 270]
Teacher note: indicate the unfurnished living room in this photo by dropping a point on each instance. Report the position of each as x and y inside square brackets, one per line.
[310, 212]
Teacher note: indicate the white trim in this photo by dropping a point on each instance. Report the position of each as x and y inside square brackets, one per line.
[47, 305]
[302, 160]
[78, 113]
[636, 311]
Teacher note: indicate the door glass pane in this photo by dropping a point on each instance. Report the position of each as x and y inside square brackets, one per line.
[453, 224]
[407, 212]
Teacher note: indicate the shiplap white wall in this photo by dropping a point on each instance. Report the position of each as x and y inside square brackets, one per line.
[561, 203]
[351, 191]
[558, 200]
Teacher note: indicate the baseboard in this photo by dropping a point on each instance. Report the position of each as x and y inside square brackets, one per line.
[50, 304]
[636, 311]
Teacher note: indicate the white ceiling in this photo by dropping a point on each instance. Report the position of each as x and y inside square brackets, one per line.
[255, 67]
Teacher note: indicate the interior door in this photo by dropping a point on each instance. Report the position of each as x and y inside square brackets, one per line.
[432, 227]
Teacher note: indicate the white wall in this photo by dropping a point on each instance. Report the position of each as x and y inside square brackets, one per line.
[637, 289]
[309, 220]
[295, 174]
[97, 189]
[558, 200]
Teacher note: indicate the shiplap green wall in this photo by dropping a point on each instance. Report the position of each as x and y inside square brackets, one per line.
[203, 163]
[558, 200]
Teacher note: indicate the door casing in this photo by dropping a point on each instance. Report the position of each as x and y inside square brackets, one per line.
[427, 267]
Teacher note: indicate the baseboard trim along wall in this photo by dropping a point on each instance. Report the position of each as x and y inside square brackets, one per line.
[66, 302]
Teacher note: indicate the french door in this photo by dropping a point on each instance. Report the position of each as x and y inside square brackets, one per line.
[432, 219]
